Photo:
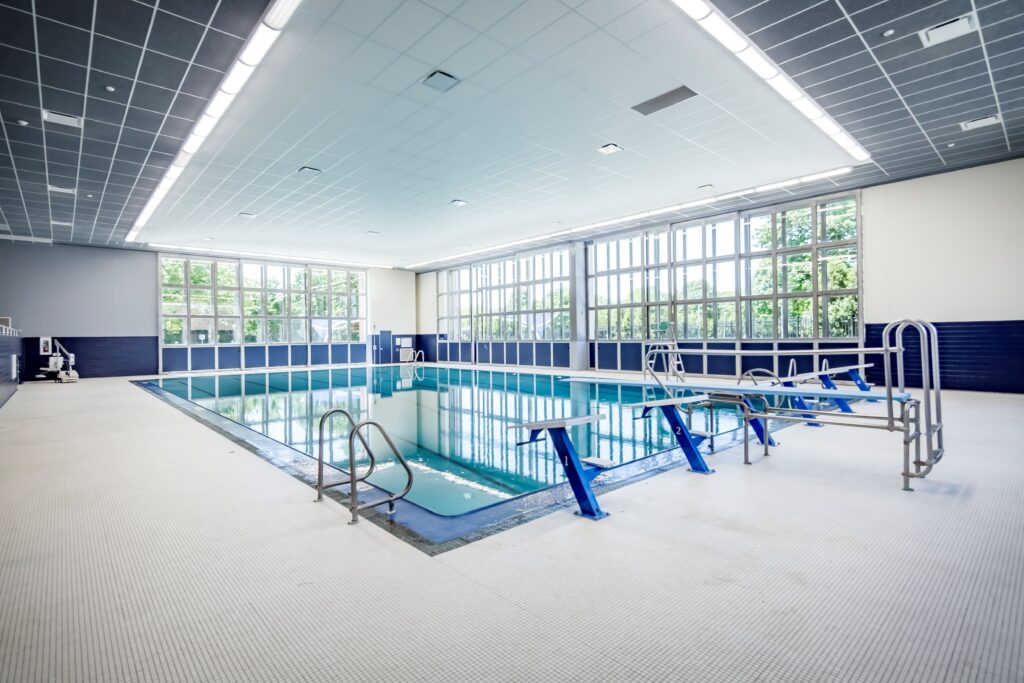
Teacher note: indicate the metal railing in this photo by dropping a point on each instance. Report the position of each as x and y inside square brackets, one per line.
[355, 432]
[6, 331]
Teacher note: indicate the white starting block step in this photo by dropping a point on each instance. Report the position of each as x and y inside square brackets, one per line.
[600, 463]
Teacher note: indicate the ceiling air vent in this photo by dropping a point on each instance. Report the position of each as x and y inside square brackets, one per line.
[62, 119]
[665, 100]
[308, 172]
[981, 123]
[60, 190]
[948, 30]
[440, 81]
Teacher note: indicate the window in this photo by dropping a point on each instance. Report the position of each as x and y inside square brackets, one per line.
[207, 302]
[788, 272]
[524, 297]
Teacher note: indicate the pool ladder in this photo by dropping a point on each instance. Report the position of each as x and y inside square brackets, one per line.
[356, 432]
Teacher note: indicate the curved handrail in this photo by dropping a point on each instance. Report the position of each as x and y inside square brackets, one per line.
[752, 373]
[320, 454]
[354, 506]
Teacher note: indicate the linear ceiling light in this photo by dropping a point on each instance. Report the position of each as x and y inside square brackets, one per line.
[255, 49]
[260, 255]
[645, 214]
[722, 30]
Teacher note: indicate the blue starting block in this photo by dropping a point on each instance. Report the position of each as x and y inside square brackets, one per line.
[825, 377]
[687, 439]
[579, 471]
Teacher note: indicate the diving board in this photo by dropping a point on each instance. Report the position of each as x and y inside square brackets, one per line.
[579, 471]
[688, 441]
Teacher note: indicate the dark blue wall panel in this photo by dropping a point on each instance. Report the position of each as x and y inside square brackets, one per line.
[511, 354]
[560, 355]
[543, 353]
[526, 353]
[202, 358]
[803, 363]
[175, 360]
[9, 346]
[300, 354]
[976, 356]
[751, 362]
[498, 353]
[339, 353]
[466, 352]
[607, 356]
[427, 343]
[357, 353]
[229, 357]
[276, 356]
[631, 356]
[255, 356]
[320, 354]
[483, 353]
[721, 365]
[102, 356]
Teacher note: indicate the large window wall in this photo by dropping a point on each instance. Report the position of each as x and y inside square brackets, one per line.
[788, 272]
[215, 302]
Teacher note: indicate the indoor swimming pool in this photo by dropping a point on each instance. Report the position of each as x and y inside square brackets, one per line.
[452, 425]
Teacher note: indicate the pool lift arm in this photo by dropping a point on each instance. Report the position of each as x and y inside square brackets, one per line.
[61, 365]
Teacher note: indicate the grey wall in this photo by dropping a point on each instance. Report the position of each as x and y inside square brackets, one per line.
[78, 291]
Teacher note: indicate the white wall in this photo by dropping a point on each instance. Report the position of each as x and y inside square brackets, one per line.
[945, 248]
[78, 291]
[426, 303]
[392, 295]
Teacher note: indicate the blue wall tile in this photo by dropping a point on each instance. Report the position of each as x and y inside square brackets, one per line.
[357, 353]
[427, 343]
[202, 358]
[442, 351]
[751, 362]
[543, 353]
[607, 356]
[722, 365]
[511, 353]
[483, 353]
[175, 360]
[320, 354]
[498, 353]
[339, 353]
[277, 356]
[593, 354]
[525, 353]
[466, 352]
[255, 356]
[560, 353]
[631, 356]
[803, 363]
[229, 357]
[300, 354]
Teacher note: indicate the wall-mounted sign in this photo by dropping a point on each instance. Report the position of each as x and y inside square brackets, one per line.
[45, 346]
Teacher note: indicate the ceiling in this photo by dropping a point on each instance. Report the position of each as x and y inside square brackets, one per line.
[544, 84]
[161, 60]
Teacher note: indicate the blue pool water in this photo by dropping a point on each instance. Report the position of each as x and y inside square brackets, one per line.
[451, 424]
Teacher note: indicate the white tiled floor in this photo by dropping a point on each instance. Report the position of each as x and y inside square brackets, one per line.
[137, 544]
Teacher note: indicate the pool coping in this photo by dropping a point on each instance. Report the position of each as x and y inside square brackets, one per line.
[427, 531]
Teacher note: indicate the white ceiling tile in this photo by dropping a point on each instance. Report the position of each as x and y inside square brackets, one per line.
[526, 20]
[557, 36]
[363, 16]
[603, 11]
[442, 42]
[407, 24]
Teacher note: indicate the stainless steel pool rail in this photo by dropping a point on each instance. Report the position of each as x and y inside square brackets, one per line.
[355, 432]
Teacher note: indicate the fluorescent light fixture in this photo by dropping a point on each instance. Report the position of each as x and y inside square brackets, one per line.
[193, 143]
[62, 119]
[205, 125]
[981, 123]
[173, 172]
[808, 108]
[826, 174]
[458, 202]
[732, 195]
[757, 62]
[262, 255]
[698, 202]
[66, 224]
[610, 148]
[723, 32]
[259, 43]
[778, 185]
[844, 140]
[21, 238]
[697, 9]
[236, 78]
[279, 13]
[61, 190]
[219, 104]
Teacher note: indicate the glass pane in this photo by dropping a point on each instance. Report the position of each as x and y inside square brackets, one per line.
[227, 331]
[721, 238]
[298, 278]
[630, 323]
[721, 320]
[658, 326]
[721, 279]
[200, 273]
[320, 305]
[837, 268]
[298, 304]
[319, 279]
[201, 330]
[837, 220]
[276, 302]
[174, 331]
[252, 304]
[201, 301]
[797, 317]
[275, 277]
[172, 270]
[355, 330]
[298, 330]
[690, 282]
[757, 233]
[759, 319]
[172, 301]
[794, 227]
[693, 243]
[795, 272]
[838, 316]
[657, 248]
[319, 330]
[253, 331]
[277, 330]
[339, 305]
[339, 330]
[252, 275]
[339, 281]
[758, 277]
[227, 274]
[690, 321]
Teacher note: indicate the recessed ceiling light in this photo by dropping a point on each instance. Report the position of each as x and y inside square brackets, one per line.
[60, 190]
[22, 122]
[89, 196]
[66, 224]
[62, 119]
[981, 123]
[948, 30]
[952, 144]
[458, 202]
[109, 88]
[610, 148]
[888, 32]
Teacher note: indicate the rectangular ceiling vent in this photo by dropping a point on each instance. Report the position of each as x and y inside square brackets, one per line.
[61, 190]
[665, 100]
[61, 119]
[440, 81]
[981, 123]
[308, 172]
[948, 30]
[66, 224]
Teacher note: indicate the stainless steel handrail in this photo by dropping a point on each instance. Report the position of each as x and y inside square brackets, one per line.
[354, 506]
[320, 454]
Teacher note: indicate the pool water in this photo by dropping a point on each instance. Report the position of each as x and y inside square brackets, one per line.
[452, 425]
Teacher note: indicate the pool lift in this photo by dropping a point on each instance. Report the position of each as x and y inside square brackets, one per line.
[60, 365]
